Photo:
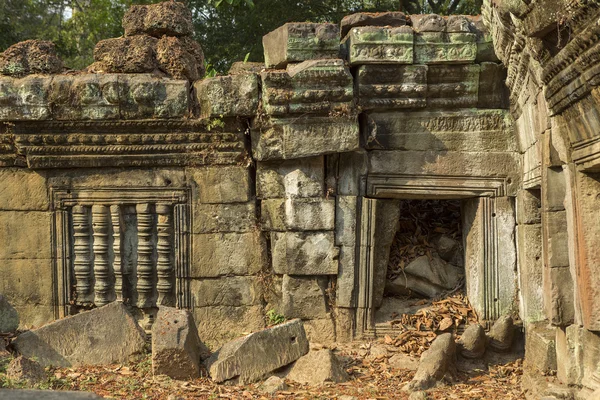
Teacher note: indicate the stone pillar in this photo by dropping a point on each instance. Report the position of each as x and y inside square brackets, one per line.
[103, 285]
[164, 265]
[115, 216]
[145, 268]
[82, 255]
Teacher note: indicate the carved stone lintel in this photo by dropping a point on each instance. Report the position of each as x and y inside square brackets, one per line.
[82, 255]
[145, 268]
[164, 265]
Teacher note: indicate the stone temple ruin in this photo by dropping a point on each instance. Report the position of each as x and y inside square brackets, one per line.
[281, 187]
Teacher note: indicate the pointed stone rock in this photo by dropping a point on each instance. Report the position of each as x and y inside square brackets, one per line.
[105, 335]
[318, 367]
[250, 358]
[472, 342]
[176, 347]
[501, 334]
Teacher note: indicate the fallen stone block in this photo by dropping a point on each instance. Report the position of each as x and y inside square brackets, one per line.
[252, 357]
[25, 370]
[297, 42]
[317, 368]
[273, 384]
[9, 318]
[15, 394]
[30, 57]
[500, 336]
[434, 364]
[105, 335]
[176, 347]
[472, 342]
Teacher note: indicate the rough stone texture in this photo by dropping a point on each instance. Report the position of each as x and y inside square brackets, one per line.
[146, 96]
[501, 334]
[222, 184]
[392, 86]
[30, 57]
[321, 330]
[569, 354]
[304, 136]
[9, 317]
[244, 67]
[316, 368]
[176, 347]
[403, 361]
[26, 370]
[434, 364]
[302, 253]
[529, 243]
[391, 18]
[304, 297]
[102, 336]
[165, 18]
[379, 45]
[273, 385]
[451, 86]
[234, 217]
[221, 254]
[219, 324]
[540, 348]
[528, 207]
[250, 358]
[472, 342]
[180, 58]
[304, 214]
[20, 394]
[228, 96]
[232, 291]
[297, 42]
[302, 177]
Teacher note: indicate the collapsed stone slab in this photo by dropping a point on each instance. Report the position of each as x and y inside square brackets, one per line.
[250, 358]
[105, 335]
[317, 368]
[30, 57]
[297, 42]
[176, 347]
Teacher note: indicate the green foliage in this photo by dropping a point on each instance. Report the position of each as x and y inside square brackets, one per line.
[226, 29]
[275, 318]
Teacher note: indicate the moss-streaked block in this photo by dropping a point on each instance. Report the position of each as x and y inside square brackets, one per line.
[379, 45]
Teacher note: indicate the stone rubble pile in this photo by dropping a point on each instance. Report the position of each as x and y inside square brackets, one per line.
[30, 57]
[158, 37]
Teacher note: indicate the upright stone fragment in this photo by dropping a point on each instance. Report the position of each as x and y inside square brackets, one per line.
[228, 96]
[252, 357]
[472, 342]
[300, 41]
[318, 367]
[502, 333]
[105, 335]
[313, 86]
[379, 45]
[176, 348]
[434, 364]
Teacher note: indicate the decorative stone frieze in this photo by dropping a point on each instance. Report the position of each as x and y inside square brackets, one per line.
[379, 45]
[392, 86]
[452, 86]
[301, 41]
[311, 87]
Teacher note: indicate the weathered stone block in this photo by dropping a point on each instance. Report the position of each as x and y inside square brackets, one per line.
[556, 239]
[220, 324]
[23, 190]
[345, 285]
[302, 177]
[24, 99]
[345, 320]
[235, 291]
[345, 221]
[321, 331]
[9, 317]
[305, 214]
[25, 370]
[218, 254]
[252, 357]
[554, 179]
[441, 47]
[30, 57]
[390, 18]
[166, 18]
[297, 42]
[392, 86]
[492, 91]
[352, 170]
[304, 136]
[313, 86]
[304, 297]
[228, 96]
[301, 253]
[453, 86]
[467, 130]
[146, 96]
[118, 177]
[234, 217]
[25, 235]
[222, 184]
[529, 242]
[318, 367]
[434, 363]
[105, 335]
[540, 347]
[176, 347]
[559, 296]
[528, 207]
[569, 354]
[379, 45]
[90, 96]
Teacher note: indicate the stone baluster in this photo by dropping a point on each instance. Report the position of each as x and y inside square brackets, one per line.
[82, 261]
[145, 270]
[115, 215]
[100, 227]
[164, 265]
